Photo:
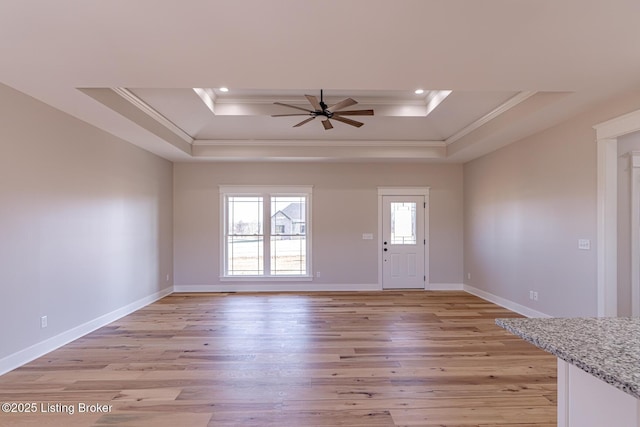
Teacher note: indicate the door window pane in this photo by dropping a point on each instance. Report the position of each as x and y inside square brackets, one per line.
[403, 223]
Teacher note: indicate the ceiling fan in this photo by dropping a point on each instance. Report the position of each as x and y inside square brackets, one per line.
[325, 112]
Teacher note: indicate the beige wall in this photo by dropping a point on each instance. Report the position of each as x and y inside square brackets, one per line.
[344, 207]
[85, 222]
[90, 223]
[526, 206]
[626, 144]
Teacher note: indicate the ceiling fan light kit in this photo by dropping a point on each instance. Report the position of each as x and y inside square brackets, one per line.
[325, 112]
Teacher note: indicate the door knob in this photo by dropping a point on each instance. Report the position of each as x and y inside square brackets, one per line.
[385, 249]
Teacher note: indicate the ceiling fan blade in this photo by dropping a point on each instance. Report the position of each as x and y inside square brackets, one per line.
[355, 113]
[314, 102]
[293, 106]
[347, 121]
[327, 124]
[304, 121]
[343, 104]
[288, 115]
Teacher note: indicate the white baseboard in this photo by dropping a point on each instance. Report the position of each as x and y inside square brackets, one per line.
[302, 287]
[503, 302]
[22, 357]
[278, 287]
[445, 287]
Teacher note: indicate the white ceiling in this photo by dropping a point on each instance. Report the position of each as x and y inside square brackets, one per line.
[128, 67]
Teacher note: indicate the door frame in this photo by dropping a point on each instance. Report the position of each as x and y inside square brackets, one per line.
[634, 163]
[404, 191]
[607, 134]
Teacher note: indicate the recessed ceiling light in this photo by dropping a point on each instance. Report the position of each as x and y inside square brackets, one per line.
[419, 91]
[224, 89]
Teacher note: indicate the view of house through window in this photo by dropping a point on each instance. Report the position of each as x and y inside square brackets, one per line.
[288, 238]
[266, 235]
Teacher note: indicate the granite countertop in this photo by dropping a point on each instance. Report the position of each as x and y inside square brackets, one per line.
[607, 348]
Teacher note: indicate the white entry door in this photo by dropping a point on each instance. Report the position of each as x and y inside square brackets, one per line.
[403, 242]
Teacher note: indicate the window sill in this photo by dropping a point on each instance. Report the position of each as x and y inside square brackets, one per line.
[266, 278]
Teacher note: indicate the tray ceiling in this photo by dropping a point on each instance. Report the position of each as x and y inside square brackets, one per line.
[129, 68]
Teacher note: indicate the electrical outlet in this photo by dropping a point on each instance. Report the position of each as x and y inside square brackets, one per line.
[535, 295]
[584, 244]
[468, 276]
[43, 322]
[167, 277]
[530, 295]
[317, 274]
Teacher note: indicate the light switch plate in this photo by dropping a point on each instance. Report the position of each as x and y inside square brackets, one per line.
[367, 236]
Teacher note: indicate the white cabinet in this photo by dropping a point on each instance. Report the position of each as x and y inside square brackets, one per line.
[586, 401]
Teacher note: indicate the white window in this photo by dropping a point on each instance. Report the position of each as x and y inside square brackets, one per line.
[265, 232]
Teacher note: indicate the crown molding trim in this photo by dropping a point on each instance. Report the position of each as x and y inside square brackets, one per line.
[303, 102]
[506, 106]
[316, 143]
[319, 150]
[151, 112]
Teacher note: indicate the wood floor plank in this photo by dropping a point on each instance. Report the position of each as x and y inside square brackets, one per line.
[401, 358]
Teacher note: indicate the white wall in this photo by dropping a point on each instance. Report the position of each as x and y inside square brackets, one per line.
[85, 223]
[526, 206]
[344, 207]
[626, 144]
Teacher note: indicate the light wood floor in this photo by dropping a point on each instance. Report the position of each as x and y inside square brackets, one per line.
[311, 359]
